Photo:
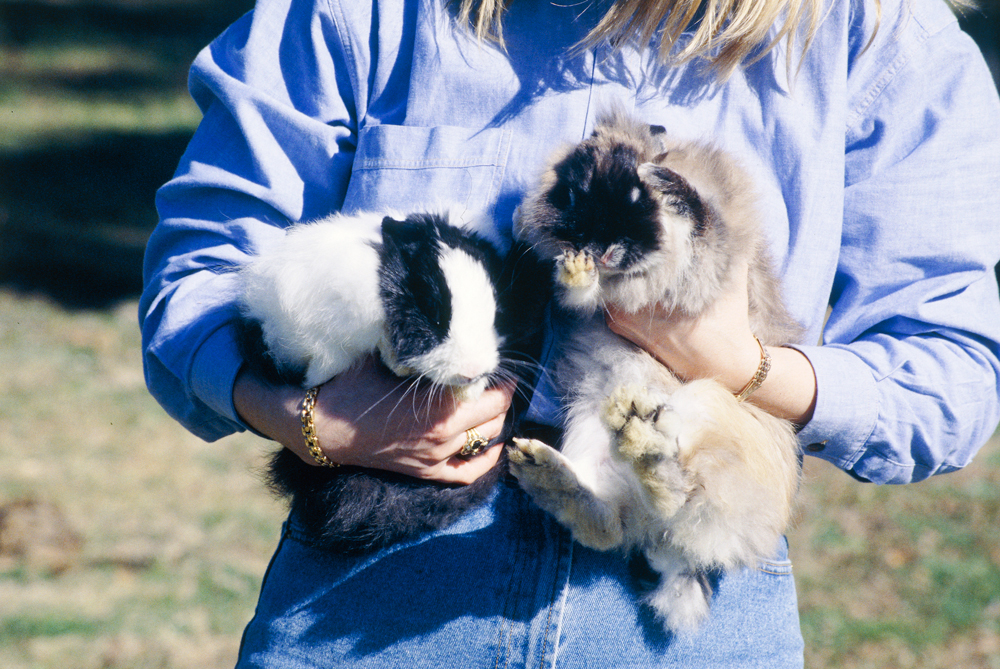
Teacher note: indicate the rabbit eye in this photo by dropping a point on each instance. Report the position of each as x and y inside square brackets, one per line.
[562, 196]
[436, 306]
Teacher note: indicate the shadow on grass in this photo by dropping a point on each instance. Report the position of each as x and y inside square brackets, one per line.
[75, 215]
[175, 29]
[74, 220]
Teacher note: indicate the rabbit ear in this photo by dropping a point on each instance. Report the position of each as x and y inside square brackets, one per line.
[677, 193]
[390, 223]
[403, 237]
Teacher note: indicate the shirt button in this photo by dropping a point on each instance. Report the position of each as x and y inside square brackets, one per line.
[817, 447]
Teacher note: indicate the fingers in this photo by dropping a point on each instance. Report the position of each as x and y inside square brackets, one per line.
[467, 470]
[436, 412]
[714, 343]
[421, 437]
[492, 405]
[446, 463]
[370, 418]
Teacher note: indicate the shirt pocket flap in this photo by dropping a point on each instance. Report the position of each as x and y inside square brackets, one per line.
[407, 168]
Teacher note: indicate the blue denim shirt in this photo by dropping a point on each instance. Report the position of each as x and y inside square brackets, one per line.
[878, 167]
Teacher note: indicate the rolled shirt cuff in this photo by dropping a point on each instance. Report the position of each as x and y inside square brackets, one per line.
[846, 406]
[213, 373]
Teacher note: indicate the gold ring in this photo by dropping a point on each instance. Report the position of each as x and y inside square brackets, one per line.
[475, 443]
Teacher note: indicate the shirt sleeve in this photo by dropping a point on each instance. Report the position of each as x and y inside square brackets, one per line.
[278, 92]
[907, 377]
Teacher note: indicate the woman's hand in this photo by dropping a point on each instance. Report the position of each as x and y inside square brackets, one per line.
[719, 344]
[371, 418]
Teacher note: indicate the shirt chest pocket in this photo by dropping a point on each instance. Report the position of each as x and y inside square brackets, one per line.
[406, 168]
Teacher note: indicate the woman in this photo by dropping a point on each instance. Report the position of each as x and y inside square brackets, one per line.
[874, 132]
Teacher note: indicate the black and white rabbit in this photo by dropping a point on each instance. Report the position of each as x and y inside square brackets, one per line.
[435, 300]
[681, 472]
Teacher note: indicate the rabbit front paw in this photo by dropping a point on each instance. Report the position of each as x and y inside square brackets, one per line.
[576, 270]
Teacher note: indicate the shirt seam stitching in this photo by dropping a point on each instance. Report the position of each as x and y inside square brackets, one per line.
[339, 20]
[888, 76]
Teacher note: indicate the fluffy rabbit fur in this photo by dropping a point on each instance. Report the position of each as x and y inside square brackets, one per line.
[434, 299]
[681, 472]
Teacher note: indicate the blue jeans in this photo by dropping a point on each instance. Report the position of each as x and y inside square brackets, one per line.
[505, 586]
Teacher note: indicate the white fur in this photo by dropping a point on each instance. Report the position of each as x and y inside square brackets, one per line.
[316, 294]
[702, 482]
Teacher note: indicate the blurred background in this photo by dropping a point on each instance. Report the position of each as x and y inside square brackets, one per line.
[125, 542]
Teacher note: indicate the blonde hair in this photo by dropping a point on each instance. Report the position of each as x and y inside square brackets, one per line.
[726, 33]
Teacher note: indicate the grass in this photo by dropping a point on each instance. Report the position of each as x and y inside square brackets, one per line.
[55, 94]
[60, 119]
[177, 532]
[69, 70]
[901, 576]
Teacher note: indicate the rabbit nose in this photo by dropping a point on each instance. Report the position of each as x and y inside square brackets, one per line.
[611, 257]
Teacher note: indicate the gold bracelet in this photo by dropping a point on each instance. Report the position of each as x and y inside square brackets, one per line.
[758, 378]
[309, 429]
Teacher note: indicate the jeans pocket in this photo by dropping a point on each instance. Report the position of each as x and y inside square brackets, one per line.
[778, 564]
[775, 568]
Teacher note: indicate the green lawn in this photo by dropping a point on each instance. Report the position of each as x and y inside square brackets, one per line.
[176, 532]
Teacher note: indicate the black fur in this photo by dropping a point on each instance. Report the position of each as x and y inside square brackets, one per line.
[603, 202]
[257, 357]
[683, 197]
[354, 510]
